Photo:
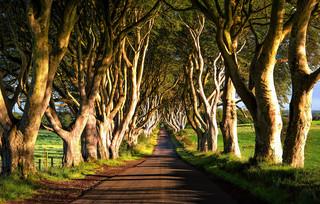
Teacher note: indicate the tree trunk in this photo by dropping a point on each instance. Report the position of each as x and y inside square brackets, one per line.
[302, 86]
[18, 152]
[268, 122]
[132, 139]
[299, 124]
[202, 142]
[104, 140]
[89, 138]
[228, 124]
[114, 150]
[71, 152]
[94, 140]
[212, 133]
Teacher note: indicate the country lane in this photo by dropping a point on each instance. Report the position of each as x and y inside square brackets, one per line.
[163, 178]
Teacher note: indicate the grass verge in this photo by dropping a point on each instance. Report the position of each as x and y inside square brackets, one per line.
[272, 183]
[12, 188]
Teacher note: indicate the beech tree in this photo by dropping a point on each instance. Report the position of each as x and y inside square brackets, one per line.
[228, 125]
[303, 82]
[154, 120]
[19, 136]
[198, 75]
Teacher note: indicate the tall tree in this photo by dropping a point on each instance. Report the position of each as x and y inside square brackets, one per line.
[303, 82]
[19, 137]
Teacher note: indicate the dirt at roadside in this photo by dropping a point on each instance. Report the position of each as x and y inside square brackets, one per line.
[67, 191]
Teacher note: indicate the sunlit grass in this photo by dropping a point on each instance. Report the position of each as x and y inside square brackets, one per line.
[145, 147]
[246, 139]
[51, 143]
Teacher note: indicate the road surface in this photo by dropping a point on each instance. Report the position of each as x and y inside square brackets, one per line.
[163, 178]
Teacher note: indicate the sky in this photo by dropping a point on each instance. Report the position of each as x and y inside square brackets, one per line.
[316, 97]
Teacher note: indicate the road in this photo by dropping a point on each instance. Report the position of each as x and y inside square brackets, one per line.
[163, 178]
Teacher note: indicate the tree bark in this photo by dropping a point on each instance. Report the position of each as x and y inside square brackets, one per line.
[71, 151]
[299, 125]
[18, 152]
[91, 140]
[268, 122]
[202, 142]
[212, 133]
[228, 124]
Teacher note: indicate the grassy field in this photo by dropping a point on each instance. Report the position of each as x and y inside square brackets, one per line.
[48, 142]
[245, 135]
[312, 150]
[246, 141]
[272, 183]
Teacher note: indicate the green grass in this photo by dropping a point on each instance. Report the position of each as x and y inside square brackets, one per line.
[273, 183]
[144, 147]
[69, 173]
[246, 139]
[12, 188]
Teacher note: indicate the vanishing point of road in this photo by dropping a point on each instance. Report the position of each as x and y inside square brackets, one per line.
[163, 178]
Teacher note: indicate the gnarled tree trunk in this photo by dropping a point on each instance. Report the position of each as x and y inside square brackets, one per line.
[18, 152]
[93, 142]
[302, 84]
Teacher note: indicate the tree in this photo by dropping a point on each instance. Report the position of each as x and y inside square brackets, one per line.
[175, 116]
[19, 136]
[194, 70]
[303, 82]
[228, 124]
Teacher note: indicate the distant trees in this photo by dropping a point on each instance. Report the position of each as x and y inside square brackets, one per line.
[316, 116]
[175, 116]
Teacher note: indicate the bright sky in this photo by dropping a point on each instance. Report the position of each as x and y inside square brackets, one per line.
[316, 97]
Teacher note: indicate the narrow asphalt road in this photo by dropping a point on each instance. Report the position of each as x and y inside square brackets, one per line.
[163, 178]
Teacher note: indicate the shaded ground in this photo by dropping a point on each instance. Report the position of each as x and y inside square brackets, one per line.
[163, 178]
[67, 191]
